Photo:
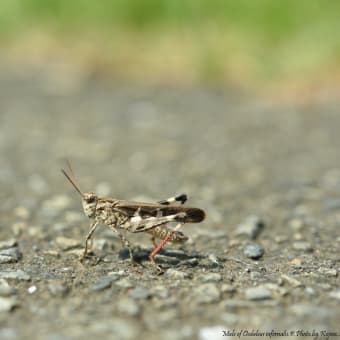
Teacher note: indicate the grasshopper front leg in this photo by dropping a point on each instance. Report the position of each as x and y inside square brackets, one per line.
[88, 238]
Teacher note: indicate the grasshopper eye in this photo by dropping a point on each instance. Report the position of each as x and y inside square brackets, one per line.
[90, 198]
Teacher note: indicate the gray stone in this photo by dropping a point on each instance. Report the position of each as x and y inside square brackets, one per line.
[257, 293]
[303, 246]
[206, 293]
[251, 227]
[10, 255]
[177, 274]
[104, 282]
[124, 283]
[15, 275]
[253, 251]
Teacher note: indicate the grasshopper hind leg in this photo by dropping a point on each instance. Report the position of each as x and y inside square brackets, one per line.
[158, 248]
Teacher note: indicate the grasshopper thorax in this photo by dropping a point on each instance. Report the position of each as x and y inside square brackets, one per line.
[89, 204]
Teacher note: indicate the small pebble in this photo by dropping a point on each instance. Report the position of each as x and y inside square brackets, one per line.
[5, 288]
[213, 259]
[102, 284]
[296, 224]
[335, 294]
[331, 203]
[227, 288]
[140, 293]
[296, 262]
[105, 282]
[100, 244]
[291, 280]
[258, 293]
[211, 277]
[8, 303]
[230, 318]
[251, 227]
[128, 306]
[74, 216]
[22, 212]
[253, 251]
[58, 289]
[10, 243]
[124, 283]
[161, 292]
[303, 246]
[55, 205]
[206, 293]
[19, 228]
[15, 275]
[328, 271]
[256, 275]
[310, 291]
[53, 253]
[65, 243]
[38, 184]
[32, 289]
[276, 289]
[177, 274]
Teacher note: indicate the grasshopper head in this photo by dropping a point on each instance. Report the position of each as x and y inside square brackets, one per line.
[89, 204]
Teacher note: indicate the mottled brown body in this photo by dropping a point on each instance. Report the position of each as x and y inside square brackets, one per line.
[138, 217]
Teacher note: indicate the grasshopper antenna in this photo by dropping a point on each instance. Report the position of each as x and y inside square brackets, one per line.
[72, 181]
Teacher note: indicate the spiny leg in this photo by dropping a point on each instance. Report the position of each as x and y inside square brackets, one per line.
[88, 238]
[178, 198]
[125, 243]
[161, 245]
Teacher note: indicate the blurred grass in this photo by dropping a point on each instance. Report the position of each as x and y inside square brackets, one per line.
[243, 43]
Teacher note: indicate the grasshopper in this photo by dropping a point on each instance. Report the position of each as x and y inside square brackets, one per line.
[138, 217]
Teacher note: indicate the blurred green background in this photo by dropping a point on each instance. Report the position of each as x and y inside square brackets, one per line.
[273, 45]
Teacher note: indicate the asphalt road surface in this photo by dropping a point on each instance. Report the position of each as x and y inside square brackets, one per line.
[266, 258]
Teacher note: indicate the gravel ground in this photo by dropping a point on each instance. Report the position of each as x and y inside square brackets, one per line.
[266, 257]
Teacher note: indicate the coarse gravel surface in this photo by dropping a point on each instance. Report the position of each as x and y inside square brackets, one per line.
[268, 176]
